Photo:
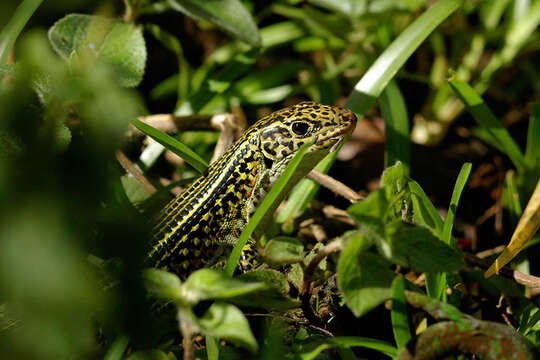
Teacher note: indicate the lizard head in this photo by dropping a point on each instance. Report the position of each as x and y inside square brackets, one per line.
[285, 131]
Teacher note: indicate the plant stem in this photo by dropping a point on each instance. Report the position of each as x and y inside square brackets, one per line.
[14, 27]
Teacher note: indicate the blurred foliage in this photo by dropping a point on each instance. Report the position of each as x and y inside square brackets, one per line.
[74, 228]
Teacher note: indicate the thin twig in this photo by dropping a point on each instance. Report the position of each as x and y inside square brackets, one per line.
[336, 186]
[134, 171]
[230, 129]
[530, 281]
[487, 253]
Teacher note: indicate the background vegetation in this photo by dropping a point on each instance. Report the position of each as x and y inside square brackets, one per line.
[447, 91]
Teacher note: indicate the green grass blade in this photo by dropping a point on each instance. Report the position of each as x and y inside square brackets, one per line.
[532, 152]
[458, 189]
[212, 348]
[394, 113]
[304, 192]
[510, 197]
[218, 83]
[174, 145]
[266, 204]
[486, 119]
[398, 316]
[390, 61]
[117, 348]
[13, 28]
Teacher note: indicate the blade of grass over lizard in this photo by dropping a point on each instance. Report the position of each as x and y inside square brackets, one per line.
[394, 113]
[11, 31]
[304, 192]
[174, 145]
[263, 208]
[486, 119]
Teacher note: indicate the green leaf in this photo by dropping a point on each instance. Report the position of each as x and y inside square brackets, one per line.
[532, 152]
[274, 298]
[162, 284]
[117, 348]
[61, 137]
[486, 119]
[394, 113]
[230, 15]
[416, 247]
[174, 145]
[510, 197]
[81, 38]
[207, 284]
[212, 347]
[264, 207]
[135, 192]
[217, 84]
[363, 278]
[390, 61]
[284, 250]
[227, 322]
[446, 236]
[399, 316]
[371, 211]
[304, 192]
[395, 177]
[272, 77]
[424, 212]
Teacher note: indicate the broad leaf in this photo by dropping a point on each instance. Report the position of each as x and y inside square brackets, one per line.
[275, 297]
[416, 247]
[162, 284]
[227, 322]
[371, 211]
[121, 45]
[364, 278]
[284, 250]
[207, 284]
[230, 15]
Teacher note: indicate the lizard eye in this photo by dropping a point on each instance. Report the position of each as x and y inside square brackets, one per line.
[300, 128]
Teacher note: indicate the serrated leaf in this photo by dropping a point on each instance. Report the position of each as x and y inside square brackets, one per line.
[207, 284]
[371, 211]
[364, 278]
[227, 322]
[417, 248]
[284, 250]
[230, 15]
[78, 38]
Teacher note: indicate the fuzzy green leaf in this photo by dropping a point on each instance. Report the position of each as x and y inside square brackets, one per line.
[121, 45]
